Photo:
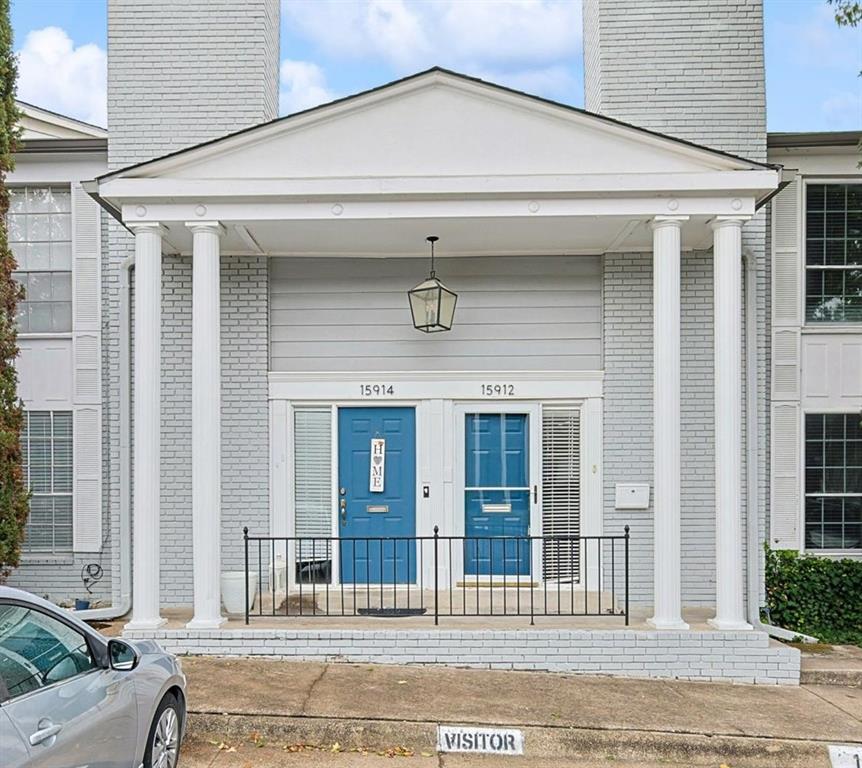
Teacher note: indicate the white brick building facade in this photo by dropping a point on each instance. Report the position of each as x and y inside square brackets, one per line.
[283, 250]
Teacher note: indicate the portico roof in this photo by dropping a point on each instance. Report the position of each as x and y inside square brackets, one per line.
[493, 169]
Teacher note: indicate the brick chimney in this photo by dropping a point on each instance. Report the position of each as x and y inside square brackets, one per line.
[180, 73]
[693, 70]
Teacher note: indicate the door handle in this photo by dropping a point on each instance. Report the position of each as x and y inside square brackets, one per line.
[343, 505]
[535, 494]
[43, 734]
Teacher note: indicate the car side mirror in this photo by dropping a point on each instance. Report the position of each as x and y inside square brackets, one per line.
[122, 656]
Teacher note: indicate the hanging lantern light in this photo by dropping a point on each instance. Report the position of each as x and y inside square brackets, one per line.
[432, 304]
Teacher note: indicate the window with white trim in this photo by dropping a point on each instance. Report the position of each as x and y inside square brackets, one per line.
[46, 444]
[833, 481]
[40, 235]
[833, 253]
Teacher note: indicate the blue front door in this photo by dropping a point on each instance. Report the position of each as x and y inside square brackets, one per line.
[377, 520]
[497, 494]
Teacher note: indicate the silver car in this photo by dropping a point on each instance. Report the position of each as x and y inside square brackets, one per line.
[70, 697]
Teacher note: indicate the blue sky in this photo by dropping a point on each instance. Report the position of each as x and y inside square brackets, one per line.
[332, 48]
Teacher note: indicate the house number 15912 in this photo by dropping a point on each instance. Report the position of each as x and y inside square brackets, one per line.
[498, 390]
[376, 390]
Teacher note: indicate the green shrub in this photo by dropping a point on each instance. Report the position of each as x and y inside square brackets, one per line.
[817, 596]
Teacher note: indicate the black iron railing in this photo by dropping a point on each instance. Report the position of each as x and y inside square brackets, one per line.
[326, 576]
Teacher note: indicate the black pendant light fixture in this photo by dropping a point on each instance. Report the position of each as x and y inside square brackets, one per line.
[432, 304]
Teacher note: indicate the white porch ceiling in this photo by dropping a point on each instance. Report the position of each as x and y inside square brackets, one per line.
[458, 237]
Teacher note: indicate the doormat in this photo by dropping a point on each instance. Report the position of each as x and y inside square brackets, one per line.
[394, 612]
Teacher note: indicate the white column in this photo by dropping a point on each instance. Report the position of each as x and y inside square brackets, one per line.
[666, 431]
[206, 424]
[147, 429]
[727, 255]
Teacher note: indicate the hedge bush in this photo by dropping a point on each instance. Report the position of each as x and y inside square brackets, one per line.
[818, 596]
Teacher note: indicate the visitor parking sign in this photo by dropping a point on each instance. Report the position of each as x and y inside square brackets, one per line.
[494, 741]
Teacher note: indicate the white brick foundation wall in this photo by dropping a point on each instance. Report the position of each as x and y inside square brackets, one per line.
[742, 657]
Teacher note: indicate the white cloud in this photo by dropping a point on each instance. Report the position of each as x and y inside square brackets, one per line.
[373, 28]
[54, 74]
[303, 85]
[511, 31]
[509, 36]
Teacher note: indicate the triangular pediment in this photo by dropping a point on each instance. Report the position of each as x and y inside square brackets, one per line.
[43, 124]
[437, 124]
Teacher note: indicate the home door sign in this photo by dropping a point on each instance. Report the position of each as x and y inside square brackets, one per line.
[378, 465]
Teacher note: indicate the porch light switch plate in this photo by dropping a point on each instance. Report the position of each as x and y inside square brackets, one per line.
[842, 756]
[632, 496]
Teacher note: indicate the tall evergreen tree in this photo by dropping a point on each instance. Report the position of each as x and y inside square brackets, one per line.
[14, 506]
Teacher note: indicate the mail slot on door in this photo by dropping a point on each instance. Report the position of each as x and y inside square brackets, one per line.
[377, 509]
[497, 508]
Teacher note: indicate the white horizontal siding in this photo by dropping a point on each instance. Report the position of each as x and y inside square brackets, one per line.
[513, 313]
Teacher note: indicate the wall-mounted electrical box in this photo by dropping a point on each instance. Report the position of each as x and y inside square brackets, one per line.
[632, 496]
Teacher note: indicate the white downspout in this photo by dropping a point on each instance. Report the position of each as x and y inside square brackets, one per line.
[752, 431]
[125, 525]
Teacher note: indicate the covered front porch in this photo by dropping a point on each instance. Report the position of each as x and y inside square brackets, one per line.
[527, 200]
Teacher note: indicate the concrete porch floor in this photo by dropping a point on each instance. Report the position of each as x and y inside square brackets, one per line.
[500, 606]
[177, 618]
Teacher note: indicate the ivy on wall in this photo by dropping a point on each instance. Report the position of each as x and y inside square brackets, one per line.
[817, 596]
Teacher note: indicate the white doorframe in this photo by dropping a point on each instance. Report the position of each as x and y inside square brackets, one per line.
[439, 440]
[534, 426]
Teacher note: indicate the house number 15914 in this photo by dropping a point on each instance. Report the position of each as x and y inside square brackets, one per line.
[376, 390]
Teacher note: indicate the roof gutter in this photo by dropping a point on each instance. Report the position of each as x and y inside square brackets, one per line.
[787, 177]
[55, 146]
[813, 139]
[92, 189]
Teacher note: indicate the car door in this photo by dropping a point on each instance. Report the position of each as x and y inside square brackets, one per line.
[14, 750]
[66, 708]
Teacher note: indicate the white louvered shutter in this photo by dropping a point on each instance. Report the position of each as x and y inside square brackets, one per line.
[312, 453]
[786, 372]
[86, 335]
[787, 262]
[561, 491]
[787, 281]
[788, 270]
[786, 484]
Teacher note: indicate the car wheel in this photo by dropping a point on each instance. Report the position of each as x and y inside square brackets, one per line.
[163, 740]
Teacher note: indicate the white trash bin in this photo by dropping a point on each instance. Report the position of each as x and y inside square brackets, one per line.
[232, 591]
